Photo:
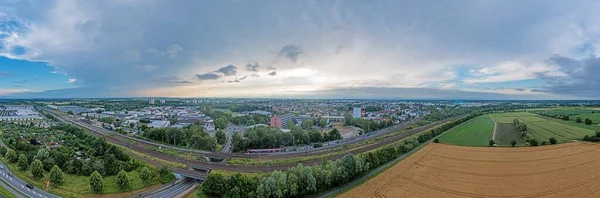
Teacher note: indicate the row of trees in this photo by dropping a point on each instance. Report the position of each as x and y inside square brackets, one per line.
[587, 121]
[193, 136]
[367, 125]
[271, 137]
[521, 128]
[593, 138]
[302, 180]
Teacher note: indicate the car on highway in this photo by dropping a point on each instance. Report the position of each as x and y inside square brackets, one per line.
[30, 186]
[10, 174]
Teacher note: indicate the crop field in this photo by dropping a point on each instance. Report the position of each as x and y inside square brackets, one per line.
[506, 133]
[476, 132]
[441, 170]
[542, 128]
[569, 112]
[595, 117]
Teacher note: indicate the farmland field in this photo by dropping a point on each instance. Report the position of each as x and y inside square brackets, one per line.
[595, 117]
[506, 133]
[568, 112]
[476, 132]
[441, 170]
[542, 128]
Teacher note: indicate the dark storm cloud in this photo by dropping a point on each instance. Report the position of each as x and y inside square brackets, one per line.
[253, 67]
[273, 73]
[290, 51]
[228, 70]
[172, 80]
[582, 77]
[207, 76]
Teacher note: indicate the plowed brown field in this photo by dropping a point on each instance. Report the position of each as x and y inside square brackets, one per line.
[440, 170]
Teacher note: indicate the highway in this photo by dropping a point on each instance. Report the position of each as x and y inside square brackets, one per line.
[176, 189]
[19, 185]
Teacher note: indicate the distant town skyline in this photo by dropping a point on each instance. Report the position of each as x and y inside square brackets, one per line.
[300, 49]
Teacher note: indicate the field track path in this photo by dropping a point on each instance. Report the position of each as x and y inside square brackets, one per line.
[495, 127]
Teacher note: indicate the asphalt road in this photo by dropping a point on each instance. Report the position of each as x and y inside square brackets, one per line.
[19, 185]
[176, 189]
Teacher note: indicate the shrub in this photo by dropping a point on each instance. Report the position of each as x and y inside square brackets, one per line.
[122, 180]
[544, 142]
[317, 145]
[533, 142]
[23, 162]
[12, 156]
[96, 182]
[492, 142]
[553, 140]
[436, 140]
[513, 143]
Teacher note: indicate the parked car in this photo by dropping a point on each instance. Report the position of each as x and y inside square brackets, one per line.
[30, 186]
[1, 166]
[10, 174]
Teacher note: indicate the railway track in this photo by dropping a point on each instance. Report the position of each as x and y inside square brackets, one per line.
[144, 147]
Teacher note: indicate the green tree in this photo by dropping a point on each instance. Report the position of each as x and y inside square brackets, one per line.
[322, 122]
[293, 183]
[533, 142]
[588, 121]
[23, 162]
[3, 150]
[12, 157]
[42, 154]
[492, 142]
[250, 122]
[214, 185]
[56, 175]
[37, 169]
[436, 140]
[513, 143]
[96, 182]
[166, 175]
[221, 137]
[221, 123]
[145, 174]
[552, 140]
[307, 124]
[578, 120]
[122, 180]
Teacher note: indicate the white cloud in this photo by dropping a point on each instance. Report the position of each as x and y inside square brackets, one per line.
[72, 80]
[5, 91]
[511, 71]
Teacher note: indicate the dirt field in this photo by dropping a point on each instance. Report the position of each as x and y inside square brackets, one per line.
[440, 170]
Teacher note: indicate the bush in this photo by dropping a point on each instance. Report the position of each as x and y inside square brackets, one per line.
[317, 145]
[96, 182]
[122, 180]
[3, 150]
[145, 174]
[166, 175]
[492, 142]
[12, 156]
[436, 140]
[544, 142]
[513, 143]
[533, 142]
[553, 140]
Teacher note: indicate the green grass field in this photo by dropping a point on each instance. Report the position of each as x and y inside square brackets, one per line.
[595, 117]
[569, 111]
[79, 186]
[5, 193]
[476, 132]
[543, 128]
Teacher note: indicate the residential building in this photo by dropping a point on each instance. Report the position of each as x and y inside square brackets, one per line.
[209, 126]
[281, 121]
[356, 112]
[151, 101]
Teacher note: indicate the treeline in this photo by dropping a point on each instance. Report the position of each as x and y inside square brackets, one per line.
[594, 138]
[302, 180]
[366, 125]
[271, 137]
[192, 136]
[521, 128]
[586, 121]
[249, 120]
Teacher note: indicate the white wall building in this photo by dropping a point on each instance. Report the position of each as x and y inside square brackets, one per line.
[356, 112]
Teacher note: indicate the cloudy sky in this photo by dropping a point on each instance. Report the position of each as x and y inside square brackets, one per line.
[306, 49]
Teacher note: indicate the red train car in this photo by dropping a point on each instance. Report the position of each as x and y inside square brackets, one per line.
[275, 150]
